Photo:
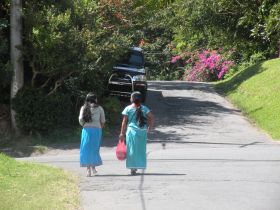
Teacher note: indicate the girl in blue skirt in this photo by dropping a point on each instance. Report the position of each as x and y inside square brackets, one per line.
[137, 121]
[92, 118]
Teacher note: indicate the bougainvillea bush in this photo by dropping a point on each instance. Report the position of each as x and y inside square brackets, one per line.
[206, 65]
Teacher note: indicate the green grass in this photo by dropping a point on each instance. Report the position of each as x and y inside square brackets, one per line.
[33, 186]
[256, 91]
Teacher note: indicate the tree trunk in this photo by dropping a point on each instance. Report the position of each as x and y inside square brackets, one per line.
[16, 54]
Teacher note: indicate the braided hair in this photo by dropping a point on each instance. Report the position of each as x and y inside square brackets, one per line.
[136, 98]
[90, 99]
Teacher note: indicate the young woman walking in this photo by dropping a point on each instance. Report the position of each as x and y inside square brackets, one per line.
[137, 121]
[92, 118]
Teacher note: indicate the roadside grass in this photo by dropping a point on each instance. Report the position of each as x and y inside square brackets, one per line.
[256, 91]
[33, 186]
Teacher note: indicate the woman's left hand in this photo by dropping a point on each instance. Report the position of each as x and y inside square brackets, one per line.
[122, 137]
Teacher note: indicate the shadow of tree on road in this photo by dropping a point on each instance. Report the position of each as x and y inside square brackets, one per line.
[181, 112]
[139, 174]
[181, 85]
[173, 115]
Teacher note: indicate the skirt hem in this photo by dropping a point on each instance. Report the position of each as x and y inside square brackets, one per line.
[136, 167]
[92, 165]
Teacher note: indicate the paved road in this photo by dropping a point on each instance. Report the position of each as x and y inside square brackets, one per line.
[203, 155]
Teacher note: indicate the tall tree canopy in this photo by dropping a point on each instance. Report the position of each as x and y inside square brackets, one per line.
[70, 46]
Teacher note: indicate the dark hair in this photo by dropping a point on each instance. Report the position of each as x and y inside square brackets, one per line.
[141, 120]
[90, 99]
[136, 98]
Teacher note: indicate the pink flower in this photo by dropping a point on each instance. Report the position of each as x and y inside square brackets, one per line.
[225, 67]
[175, 59]
[207, 65]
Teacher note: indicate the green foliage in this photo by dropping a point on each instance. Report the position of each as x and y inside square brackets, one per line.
[231, 72]
[5, 74]
[71, 46]
[158, 61]
[157, 46]
[112, 108]
[257, 57]
[155, 5]
[72, 40]
[5, 71]
[38, 113]
[247, 26]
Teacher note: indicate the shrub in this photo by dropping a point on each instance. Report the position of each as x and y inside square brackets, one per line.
[112, 108]
[5, 67]
[231, 72]
[206, 65]
[257, 57]
[36, 112]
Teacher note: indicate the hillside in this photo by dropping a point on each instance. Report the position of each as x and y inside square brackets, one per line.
[256, 91]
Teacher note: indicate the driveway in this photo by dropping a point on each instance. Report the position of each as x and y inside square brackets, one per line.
[202, 155]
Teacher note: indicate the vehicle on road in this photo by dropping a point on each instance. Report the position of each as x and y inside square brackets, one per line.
[129, 75]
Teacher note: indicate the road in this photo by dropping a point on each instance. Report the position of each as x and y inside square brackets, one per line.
[202, 155]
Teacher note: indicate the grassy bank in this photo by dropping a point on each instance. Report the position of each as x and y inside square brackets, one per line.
[33, 186]
[256, 91]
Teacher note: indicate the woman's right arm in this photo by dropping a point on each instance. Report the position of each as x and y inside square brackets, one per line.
[102, 117]
[150, 121]
[123, 127]
[81, 121]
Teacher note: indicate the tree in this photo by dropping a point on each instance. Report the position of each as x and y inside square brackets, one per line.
[248, 26]
[16, 53]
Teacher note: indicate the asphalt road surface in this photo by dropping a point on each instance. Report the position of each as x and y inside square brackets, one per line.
[202, 155]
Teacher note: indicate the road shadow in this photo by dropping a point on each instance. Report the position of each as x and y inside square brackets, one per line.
[182, 85]
[164, 142]
[139, 174]
[213, 160]
[181, 112]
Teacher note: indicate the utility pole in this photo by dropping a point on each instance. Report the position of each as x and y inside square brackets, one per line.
[16, 54]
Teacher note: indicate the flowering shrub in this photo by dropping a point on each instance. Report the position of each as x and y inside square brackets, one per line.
[175, 59]
[206, 65]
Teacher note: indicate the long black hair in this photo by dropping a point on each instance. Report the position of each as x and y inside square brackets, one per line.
[90, 99]
[136, 98]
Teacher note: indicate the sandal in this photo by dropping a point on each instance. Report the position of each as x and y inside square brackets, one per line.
[88, 173]
[133, 172]
[94, 171]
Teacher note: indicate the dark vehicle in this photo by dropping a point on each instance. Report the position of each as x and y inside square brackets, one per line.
[129, 75]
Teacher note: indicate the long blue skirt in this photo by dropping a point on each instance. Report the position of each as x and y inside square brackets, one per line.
[90, 147]
[136, 140]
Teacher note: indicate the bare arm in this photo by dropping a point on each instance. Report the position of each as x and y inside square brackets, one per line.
[150, 121]
[102, 117]
[123, 127]
[81, 121]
